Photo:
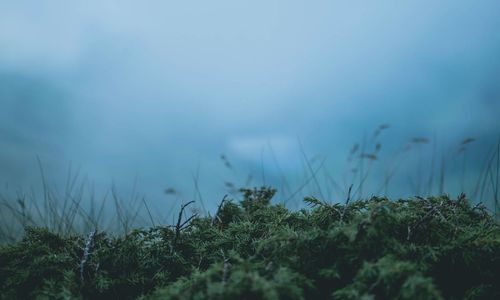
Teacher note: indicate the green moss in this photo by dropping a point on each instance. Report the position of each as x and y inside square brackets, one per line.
[237, 278]
[430, 248]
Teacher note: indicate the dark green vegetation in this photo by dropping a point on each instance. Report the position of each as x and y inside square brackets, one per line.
[423, 248]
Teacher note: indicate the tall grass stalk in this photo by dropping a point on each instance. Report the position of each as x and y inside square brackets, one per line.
[78, 210]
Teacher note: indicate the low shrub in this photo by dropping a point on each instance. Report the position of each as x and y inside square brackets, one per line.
[423, 248]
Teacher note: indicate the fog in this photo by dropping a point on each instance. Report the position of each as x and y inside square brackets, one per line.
[152, 93]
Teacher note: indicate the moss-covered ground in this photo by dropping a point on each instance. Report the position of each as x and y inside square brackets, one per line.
[422, 248]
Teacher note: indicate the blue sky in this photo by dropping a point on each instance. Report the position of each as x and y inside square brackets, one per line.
[156, 90]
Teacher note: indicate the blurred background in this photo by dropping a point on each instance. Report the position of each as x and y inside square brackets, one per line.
[187, 101]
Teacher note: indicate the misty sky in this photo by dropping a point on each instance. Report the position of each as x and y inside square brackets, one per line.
[156, 91]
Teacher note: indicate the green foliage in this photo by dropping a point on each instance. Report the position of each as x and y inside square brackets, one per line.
[432, 248]
[389, 278]
[237, 278]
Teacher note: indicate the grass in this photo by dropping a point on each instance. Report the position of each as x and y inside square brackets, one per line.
[422, 248]
[368, 171]
[71, 245]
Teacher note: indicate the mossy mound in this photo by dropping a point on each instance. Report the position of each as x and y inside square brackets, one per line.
[433, 248]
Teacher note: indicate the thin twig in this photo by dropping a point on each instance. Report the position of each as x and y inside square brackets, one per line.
[313, 174]
[346, 203]
[149, 212]
[180, 225]
[87, 252]
[216, 217]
